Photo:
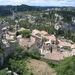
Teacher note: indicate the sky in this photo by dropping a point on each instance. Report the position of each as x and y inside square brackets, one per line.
[39, 2]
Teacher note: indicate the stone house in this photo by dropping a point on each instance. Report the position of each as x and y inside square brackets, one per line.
[64, 44]
[26, 42]
[47, 46]
[54, 57]
[51, 38]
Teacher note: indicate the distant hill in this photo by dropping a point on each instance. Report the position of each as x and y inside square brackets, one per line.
[4, 13]
[9, 9]
[55, 7]
[26, 8]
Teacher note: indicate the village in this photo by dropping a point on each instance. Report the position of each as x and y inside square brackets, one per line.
[49, 46]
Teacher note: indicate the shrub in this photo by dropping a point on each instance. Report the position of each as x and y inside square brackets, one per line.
[25, 33]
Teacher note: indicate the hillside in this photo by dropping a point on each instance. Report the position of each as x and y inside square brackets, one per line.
[37, 40]
[9, 9]
[40, 68]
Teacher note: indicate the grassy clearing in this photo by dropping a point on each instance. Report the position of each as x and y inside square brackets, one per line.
[38, 67]
[33, 13]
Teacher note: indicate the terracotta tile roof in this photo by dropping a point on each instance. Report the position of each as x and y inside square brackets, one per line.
[66, 54]
[43, 32]
[26, 42]
[64, 43]
[51, 37]
[72, 52]
[4, 28]
[35, 31]
[11, 33]
[21, 29]
[73, 46]
[53, 56]
[19, 36]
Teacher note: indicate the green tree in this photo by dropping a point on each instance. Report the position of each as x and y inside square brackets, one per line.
[19, 49]
[4, 72]
[25, 33]
[34, 50]
[11, 28]
[66, 66]
[51, 50]
[18, 66]
[11, 22]
[44, 39]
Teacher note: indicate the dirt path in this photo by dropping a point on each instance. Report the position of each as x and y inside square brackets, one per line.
[40, 68]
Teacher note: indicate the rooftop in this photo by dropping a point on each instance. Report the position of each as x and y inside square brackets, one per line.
[43, 32]
[11, 33]
[4, 28]
[21, 29]
[61, 43]
[51, 37]
[66, 54]
[53, 56]
[19, 36]
[27, 42]
[35, 31]
[73, 46]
